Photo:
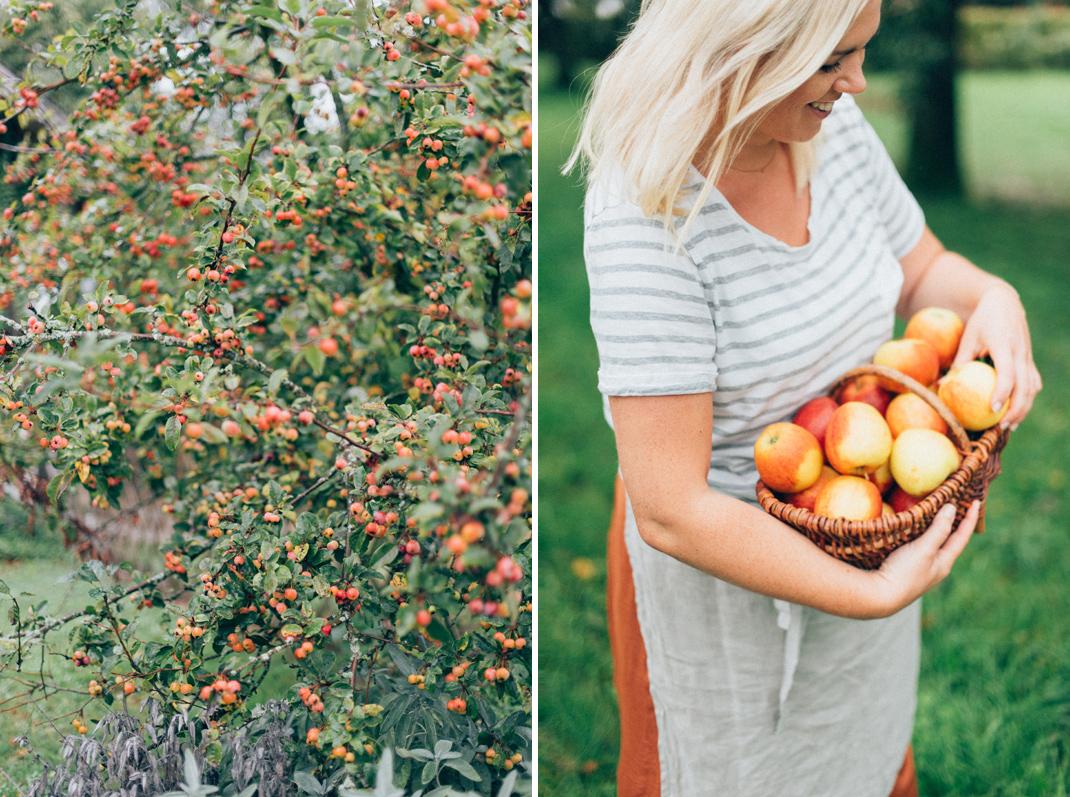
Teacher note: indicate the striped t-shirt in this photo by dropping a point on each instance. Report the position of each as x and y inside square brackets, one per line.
[762, 325]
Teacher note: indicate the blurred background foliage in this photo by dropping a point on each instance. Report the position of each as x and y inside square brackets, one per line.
[994, 699]
[924, 42]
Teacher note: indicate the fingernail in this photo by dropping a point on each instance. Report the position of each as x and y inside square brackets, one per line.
[1014, 427]
[947, 510]
[996, 406]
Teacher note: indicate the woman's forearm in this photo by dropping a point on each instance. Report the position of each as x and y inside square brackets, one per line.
[936, 277]
[743, 545]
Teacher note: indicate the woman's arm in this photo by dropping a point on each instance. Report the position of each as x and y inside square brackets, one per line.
[663, 443]
[995, 319]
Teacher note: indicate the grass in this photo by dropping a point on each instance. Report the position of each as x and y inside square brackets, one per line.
[994, 704]
[32, 564]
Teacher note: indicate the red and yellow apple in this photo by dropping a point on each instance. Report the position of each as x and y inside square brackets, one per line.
[967, 392]
[857, 440]
[922, 459]
[866, 389]
[814, 416]
[788, 458]
[940, 327]
[849, 497]
[915, 358]
[900, 500]
[882, 477]
[911, 411]
[805, 499]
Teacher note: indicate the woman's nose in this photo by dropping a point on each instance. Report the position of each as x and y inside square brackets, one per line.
[852, 81]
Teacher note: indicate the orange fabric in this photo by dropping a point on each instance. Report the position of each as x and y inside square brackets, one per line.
[906, 784]
[639, 768]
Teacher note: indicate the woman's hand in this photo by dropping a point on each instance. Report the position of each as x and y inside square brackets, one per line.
[913, 569]
[997, 327]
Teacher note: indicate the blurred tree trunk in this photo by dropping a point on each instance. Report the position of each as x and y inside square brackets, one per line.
[933, 164]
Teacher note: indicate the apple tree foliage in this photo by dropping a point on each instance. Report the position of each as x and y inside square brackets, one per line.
[275, 267]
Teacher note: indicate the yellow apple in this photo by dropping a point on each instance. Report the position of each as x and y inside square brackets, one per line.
[788, 458]
[922, 459]
[849, 497]
[857, 439]
[941, 327]
[967, 392]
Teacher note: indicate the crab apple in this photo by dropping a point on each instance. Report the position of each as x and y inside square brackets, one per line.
[849, 497]
[858, 440]
[911, 356]
[967, 392]
[423, 617]
[940, 327]
[788, 457]
[328, 346]
[231, 428]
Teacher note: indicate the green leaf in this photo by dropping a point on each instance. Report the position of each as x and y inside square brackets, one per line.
[430, 770]
[265, 12]
[308, 783]
[171, 431]
[57, 485]
[400, 659]
[276, 380]
[315, 358]
[463, 767]
[4, 588]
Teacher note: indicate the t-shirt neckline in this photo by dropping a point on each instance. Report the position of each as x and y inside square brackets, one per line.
[814, 226]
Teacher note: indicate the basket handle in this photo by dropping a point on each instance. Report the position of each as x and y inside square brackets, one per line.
[957, 433]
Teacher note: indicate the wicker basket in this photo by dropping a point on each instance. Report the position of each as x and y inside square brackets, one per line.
[866, 543]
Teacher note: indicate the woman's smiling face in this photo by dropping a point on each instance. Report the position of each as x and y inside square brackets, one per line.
[798, 117]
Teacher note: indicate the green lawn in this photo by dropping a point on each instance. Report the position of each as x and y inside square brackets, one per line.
[994, 710]
[32, 564]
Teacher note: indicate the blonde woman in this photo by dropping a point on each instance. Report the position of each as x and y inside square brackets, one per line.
[747, 241]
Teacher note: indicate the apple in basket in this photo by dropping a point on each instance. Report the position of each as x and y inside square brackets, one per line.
[911, 411]
[940, 327]
[849, 497]
[866, 389]
[967, 392]
[900, 500]
[788, 457]
[806, 499]
[857, 440]
[910, 356]
[814, 416]
[922, 459]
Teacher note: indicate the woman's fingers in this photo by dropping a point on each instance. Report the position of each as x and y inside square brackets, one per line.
[918, 566]
[956, 541]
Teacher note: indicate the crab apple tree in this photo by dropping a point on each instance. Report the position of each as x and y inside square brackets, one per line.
[274, 268]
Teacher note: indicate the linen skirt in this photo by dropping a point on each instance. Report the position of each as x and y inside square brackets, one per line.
[702, 699]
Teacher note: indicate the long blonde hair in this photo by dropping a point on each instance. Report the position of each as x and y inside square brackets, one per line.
[691, 67]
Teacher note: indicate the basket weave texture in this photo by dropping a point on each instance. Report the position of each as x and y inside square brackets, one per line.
[866, 543]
